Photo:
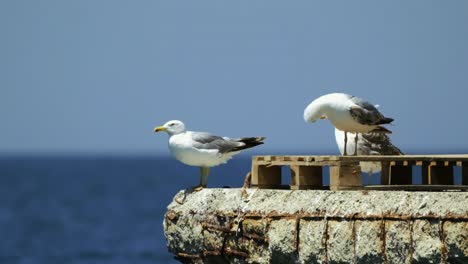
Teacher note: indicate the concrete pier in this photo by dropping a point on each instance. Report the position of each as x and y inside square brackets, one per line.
[313, 226]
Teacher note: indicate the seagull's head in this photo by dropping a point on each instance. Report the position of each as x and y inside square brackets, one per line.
[172, 127]
[314, 111]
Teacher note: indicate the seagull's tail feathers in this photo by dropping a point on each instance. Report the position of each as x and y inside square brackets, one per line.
[249, 142]
[385, 120]
[381, 129]
[380, 144]
[395, 150]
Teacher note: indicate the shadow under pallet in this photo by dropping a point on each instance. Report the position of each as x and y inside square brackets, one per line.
[437, 172]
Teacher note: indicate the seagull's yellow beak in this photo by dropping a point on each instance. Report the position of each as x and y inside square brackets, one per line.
[159, 129]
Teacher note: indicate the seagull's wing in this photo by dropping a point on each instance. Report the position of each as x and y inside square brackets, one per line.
[367, 114]
[365, 117]
[203, 140]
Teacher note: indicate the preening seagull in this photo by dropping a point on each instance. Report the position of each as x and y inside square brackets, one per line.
[203, 149]
[368, 144]
[347, 113]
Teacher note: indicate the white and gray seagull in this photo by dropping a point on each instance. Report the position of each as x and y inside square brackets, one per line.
[347, 113]
[203, 149]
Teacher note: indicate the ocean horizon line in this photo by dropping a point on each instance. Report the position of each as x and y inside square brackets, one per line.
[162, 154]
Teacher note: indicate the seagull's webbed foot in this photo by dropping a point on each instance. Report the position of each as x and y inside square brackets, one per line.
[181, 200]
[198, 188]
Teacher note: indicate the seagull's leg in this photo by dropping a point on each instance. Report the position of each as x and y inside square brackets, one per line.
[204, 172]
[355, 144]
[345, 143]
[199, 186]
[204, 178]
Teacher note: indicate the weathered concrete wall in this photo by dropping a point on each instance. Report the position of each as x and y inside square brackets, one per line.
[282, 226]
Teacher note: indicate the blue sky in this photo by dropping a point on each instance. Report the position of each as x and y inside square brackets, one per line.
[78, 76]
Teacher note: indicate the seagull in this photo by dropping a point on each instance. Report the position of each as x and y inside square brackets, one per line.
[368, 144]
[347, 113]
[203, 149]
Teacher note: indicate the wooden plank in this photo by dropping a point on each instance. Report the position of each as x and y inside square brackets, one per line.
[257, 158]
[265, 177]
[305, 177]
[408, 158]
[465, 173]
[416, 187]
[385, 173]
[345, 176]
[299, 163]
[400, 174]
[425, 172]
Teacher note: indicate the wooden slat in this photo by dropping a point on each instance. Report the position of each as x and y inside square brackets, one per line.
[465, 173]
[412, 158]
[344, 176]
[300, 163]
[409, 158]
[305, 177]
[385, 173]
[416, 187]
[265, 177]
[425, 172]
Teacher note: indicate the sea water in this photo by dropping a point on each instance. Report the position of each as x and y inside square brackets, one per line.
[94, 209]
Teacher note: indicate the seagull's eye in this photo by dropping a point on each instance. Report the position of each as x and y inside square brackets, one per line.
[171, 124]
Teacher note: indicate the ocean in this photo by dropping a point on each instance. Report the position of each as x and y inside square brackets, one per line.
[98, 209]
[94, 209]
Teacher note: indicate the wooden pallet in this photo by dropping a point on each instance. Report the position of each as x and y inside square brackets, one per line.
[345, 171]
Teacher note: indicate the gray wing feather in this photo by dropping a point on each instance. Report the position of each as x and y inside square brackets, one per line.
[365, 116]
[204, 140]
[364, 104]
[366, 113]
